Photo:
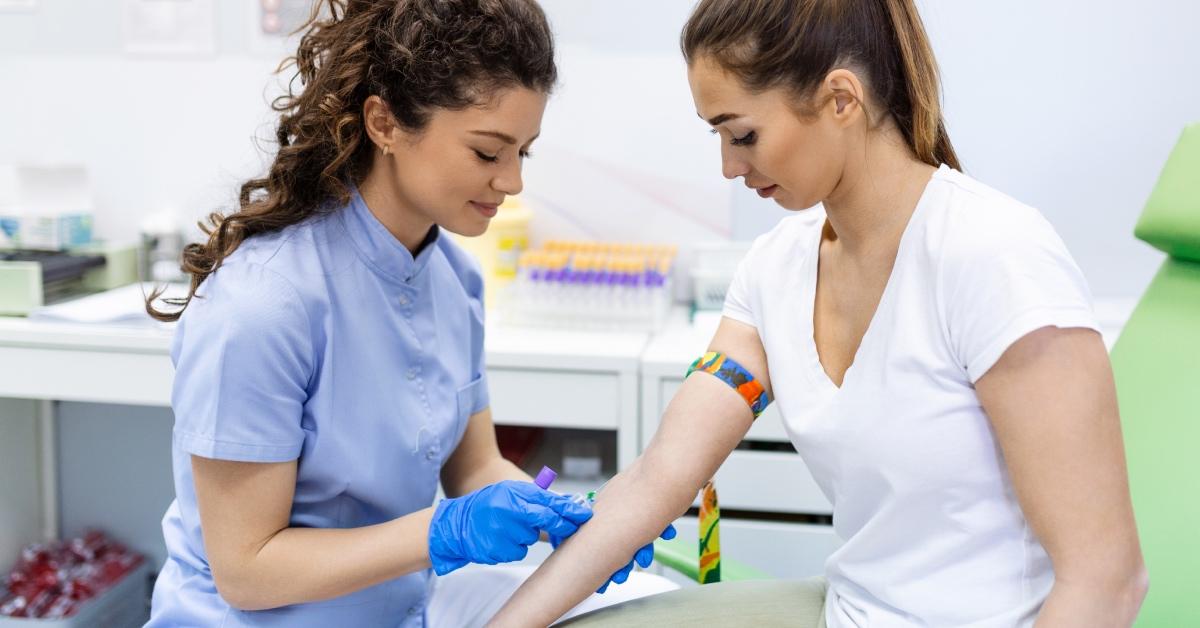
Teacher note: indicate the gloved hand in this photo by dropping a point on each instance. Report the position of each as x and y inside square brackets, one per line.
[643, 557]
[498, 523]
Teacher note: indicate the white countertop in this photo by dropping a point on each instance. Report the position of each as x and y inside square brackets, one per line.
[563, 348]
[511, 346]
[130, 364]
[20, 332]
[90, 362]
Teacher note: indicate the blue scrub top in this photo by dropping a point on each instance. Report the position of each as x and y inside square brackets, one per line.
[329, 343]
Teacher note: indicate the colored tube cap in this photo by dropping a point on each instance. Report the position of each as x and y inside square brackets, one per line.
[545, 477]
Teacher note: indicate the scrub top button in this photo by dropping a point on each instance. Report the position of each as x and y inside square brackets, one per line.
[412, 610]
[403, 300]
[429, 455]
[412, 373]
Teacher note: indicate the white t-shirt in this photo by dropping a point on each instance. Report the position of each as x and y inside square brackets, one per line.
[921, 495]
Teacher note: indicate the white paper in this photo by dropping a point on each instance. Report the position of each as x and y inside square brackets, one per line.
[119, 306]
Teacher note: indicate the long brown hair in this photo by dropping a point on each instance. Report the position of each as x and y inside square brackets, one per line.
[416, 55]
[796, 43]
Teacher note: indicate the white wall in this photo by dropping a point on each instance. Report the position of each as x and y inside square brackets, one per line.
[1070, 106]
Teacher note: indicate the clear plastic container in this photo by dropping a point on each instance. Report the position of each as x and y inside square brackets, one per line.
[592, 285]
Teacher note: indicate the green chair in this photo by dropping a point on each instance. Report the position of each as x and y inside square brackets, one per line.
[1156, 362]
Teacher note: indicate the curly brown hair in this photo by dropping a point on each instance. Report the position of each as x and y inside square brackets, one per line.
[417, 56]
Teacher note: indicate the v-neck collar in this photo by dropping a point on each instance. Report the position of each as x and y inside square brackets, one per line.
[812, 272]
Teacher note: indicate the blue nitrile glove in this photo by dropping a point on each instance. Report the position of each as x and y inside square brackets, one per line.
[497, 524]
[642, 557]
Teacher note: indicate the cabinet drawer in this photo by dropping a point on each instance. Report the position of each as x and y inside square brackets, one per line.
[767, 427]
[769, 481]
[783, 550]
[554, 399]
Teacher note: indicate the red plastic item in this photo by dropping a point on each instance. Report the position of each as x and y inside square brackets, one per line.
[51, 580]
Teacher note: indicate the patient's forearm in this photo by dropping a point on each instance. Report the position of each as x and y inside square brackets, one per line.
[703, 424]
[587, 559]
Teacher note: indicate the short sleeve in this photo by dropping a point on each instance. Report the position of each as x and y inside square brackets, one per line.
[1004, 278]
[243, 356]
[739, 299]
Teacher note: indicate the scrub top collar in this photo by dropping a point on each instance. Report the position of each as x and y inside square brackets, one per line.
[379, 248]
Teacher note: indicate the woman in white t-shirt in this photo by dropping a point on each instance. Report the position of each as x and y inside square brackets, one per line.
[929, 341]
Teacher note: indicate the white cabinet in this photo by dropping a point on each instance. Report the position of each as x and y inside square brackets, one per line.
[567, 379]
[554, 399]
[541, 378]
[67, 362]
[613, 382]
[769, 481]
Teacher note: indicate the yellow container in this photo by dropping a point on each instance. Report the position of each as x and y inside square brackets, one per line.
[510, 227]
[499, 248]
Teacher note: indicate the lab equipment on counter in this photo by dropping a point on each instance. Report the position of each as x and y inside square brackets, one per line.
[46, 208]
[592, 285]
[712, 272]
[90, 580]
[161, 248]
[31, 279]
[47, 253]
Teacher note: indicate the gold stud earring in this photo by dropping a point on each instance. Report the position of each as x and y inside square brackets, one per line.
[386, 148]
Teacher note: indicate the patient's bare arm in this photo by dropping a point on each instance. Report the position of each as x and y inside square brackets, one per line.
[702, 425]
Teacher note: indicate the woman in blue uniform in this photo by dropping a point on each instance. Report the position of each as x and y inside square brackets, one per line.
[329, 358]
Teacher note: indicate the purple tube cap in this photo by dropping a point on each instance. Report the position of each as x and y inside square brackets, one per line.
[545, 477]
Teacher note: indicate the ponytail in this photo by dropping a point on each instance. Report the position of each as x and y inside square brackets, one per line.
[796, 43]
[927, 131]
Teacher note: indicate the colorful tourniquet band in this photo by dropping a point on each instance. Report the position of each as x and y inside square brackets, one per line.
[736, 376]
